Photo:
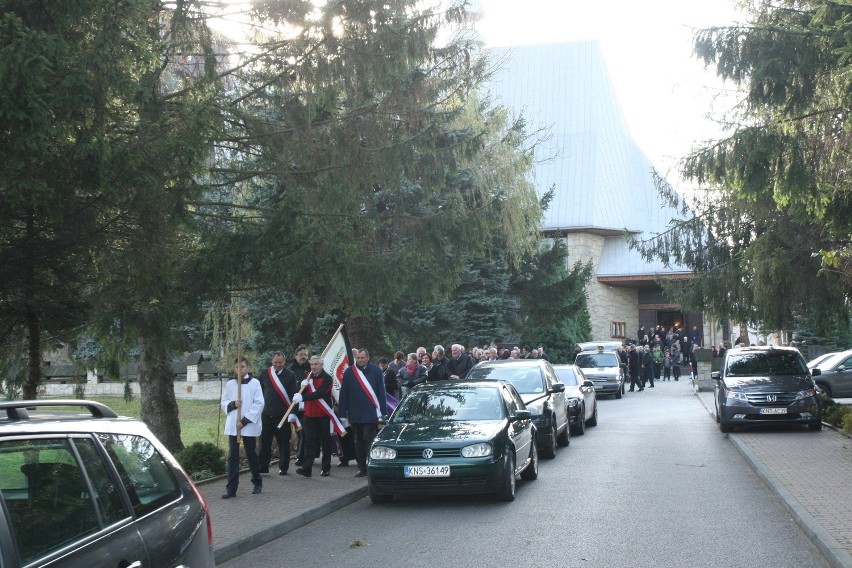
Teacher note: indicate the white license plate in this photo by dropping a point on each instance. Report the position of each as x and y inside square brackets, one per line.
[773, 411]
[426, 471]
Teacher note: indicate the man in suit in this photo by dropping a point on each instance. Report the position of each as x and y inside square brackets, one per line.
[279, 385]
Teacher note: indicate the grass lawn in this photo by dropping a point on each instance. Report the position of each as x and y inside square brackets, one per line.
[200, 420]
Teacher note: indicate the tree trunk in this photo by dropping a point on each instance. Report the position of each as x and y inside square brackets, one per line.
[33, 380]
[157, 387]
[33, 377]
[744, 334]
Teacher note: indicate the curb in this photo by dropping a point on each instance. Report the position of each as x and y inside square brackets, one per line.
[835, 554]
[231, 550]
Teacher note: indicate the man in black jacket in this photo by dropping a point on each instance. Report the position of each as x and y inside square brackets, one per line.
[279, 385]
[301, 368]
[460, 363]
[438, 371]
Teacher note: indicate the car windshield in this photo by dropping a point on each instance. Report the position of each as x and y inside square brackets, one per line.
[567, 376]
[589, 360]
[526, 380]
[468, 404]
[763, 363]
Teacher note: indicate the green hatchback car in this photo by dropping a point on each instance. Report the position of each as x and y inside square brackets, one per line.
[451, 437]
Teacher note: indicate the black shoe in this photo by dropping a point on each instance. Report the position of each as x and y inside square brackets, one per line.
[282, 472]
[343, 463]
[303, 471]
[298, 463]
[361, 473]
[325, 473]
[257, 489]
[264, 470]
[229, 495]
[640, 390]
[630, 390]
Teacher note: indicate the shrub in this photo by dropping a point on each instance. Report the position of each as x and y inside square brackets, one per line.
[202, 460]
[837, 414]
[847, 423]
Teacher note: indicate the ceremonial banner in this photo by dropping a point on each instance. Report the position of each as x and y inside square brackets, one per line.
[337, 355]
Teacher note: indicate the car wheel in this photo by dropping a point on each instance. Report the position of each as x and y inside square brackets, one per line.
[724, 427]
[564, 438]
[618, 393]
[531, 471]
[379, 498]
[549, 451]
[826, 390]
[507, 493]
[815, 426]
[580, 428]
[716, 403]
[593, 421]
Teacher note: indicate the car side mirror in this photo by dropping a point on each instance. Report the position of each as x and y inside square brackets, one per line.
[521, 415]
[588, 383]
[840, 368]
[815, 372]
[716, 375]
[558, 387]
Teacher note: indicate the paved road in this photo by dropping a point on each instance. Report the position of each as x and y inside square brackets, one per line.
[656, 484]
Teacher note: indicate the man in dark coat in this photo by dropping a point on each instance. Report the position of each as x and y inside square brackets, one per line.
[647, 359]
[301, 368]
[460, 363]
[279, 385]
[635, 368]
[439, 370]
[362, 401]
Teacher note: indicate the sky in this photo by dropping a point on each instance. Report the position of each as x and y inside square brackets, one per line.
[665, 93]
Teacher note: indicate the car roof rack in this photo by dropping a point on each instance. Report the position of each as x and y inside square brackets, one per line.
[17, 409]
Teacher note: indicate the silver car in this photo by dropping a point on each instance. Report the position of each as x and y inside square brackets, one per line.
[835, 378]
[94, 489]
[601, 364]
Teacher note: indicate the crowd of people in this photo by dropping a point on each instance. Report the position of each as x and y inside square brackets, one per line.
[659, 354]
[330, 418]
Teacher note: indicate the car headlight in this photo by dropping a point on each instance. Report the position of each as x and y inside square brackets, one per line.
[805, 394]
[573, 402]
[382, 453]
[476, 451]
[536, 408]
[736, 395]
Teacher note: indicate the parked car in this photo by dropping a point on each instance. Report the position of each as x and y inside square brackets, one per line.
[817, 360]
[835, 378]
[543, 394]
[93, 489]
[758, 386]
[601, 364]
[581, 398]
[454, 437]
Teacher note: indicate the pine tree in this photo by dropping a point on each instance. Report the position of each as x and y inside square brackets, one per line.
[770, 236]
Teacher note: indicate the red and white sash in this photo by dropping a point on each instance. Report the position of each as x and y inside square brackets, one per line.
[368, 389]
[336, 426]
[282, 392]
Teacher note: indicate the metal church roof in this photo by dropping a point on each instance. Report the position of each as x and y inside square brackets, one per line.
[603, 182]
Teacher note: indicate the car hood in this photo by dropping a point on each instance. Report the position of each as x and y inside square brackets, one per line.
[784, 383]
[573, 392]
[532, 398]
[440, 431]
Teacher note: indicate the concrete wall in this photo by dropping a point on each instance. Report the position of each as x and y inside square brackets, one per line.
[199, 390]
